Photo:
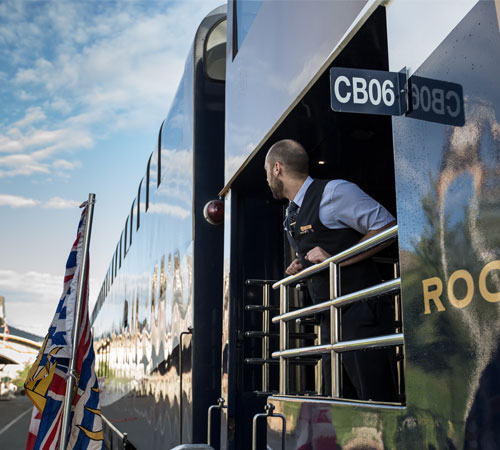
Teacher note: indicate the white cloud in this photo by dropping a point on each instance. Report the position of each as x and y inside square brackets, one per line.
[32, 298]
[60, 203]
[63, 164]
[129, 59]
[16, 201]
[60, 105]
[16, 164]
[8, 145]
[34, 151]
[33, 114]
[114, 66]
[45, 286]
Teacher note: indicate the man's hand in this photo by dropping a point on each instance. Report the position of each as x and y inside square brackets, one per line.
[294, 267]
[316, 255]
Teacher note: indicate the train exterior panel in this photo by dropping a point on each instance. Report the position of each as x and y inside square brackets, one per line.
[285, 47]
[159, 294]
[447, 203]
[434, 165]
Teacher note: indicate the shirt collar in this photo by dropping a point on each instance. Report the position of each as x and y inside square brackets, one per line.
[302, 192]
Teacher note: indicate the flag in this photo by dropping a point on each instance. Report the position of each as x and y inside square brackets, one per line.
[33, 430]
[45, 384]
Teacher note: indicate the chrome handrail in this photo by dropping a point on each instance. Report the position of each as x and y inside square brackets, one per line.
[389, 340]
[122, 436]
[335, 302]
[388, 287]
[339, 258]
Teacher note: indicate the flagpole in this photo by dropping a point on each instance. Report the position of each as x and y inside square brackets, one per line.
[76, 324]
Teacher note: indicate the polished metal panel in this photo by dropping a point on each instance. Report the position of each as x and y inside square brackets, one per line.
[448, 191]
[431, 21]
[227, 364]
[146, 330]
[245, 12]
[448, 199]
[155, 277]
[264, 68]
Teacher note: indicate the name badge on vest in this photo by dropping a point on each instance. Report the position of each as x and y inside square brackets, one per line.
[306, 229]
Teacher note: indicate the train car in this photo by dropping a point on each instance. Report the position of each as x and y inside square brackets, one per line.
[400, 97]
[157, 319]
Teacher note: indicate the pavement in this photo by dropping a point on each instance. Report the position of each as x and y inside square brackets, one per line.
[15, 416]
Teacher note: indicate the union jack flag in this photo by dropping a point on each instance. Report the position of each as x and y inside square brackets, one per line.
[45, 384]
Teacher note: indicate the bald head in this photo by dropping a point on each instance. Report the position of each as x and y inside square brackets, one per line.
[291, 155]
[287, 167]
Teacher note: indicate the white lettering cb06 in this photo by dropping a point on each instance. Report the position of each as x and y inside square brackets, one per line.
[362, 91]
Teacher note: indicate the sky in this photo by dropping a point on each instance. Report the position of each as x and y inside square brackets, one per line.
[84, 88]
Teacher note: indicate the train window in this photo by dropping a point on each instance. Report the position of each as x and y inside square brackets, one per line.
[115, 263]
[125, 315]
[245, 12]
[215, 52]
[147, 181]
[158, 169]
[153, 177]
[120, 254]
[125, 240]
[139, 201]
[131, 221]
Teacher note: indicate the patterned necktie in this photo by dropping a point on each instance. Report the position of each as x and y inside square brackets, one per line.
[291, 217]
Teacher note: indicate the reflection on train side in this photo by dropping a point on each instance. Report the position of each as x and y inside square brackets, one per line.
[141, 354]
[436, 101]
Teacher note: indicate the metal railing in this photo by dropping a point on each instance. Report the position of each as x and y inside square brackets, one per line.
[181, 387]
[336, 346]
[122, 436]
[265, 334]
[265, 360]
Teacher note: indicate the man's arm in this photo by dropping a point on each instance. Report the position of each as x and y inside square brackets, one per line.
[317, 254]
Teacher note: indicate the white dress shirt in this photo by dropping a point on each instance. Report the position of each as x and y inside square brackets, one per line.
[345, 205]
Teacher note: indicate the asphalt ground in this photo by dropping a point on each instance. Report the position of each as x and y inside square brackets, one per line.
[15, 416]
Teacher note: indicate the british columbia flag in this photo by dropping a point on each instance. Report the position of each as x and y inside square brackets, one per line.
[45, 384]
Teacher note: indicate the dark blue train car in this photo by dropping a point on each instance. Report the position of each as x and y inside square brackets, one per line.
[202, 341]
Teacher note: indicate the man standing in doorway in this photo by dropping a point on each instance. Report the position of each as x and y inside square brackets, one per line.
[325, 217]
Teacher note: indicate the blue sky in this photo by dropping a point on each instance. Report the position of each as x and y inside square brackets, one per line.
[84, 87]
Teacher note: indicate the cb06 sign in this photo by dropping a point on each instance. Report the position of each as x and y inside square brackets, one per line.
[388, 93]
[368, 91]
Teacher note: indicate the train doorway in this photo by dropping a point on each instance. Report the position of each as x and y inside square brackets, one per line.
[354, 147]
